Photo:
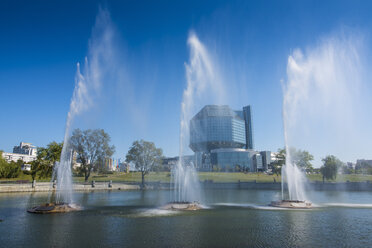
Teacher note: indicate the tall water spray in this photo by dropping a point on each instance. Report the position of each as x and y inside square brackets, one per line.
[203, 87]
[87, 88]
[62, 173]
[319, 105]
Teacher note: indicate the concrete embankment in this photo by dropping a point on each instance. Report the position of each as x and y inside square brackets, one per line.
[318, 186]
[45, 186]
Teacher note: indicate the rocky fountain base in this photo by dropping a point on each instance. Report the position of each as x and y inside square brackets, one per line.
[184, 206]
[51, 208]
[291, 204]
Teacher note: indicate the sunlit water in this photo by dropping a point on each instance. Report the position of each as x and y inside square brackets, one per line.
[235, 218]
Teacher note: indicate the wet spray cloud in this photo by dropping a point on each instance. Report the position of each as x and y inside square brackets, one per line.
[203, 87]
[88, 84]
[321, 102]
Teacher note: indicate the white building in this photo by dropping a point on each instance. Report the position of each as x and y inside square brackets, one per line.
[25, 152]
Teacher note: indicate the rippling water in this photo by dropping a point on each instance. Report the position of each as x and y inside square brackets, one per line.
[234, 218]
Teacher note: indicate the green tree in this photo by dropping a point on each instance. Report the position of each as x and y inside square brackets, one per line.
[145, 156]
[90, 147]
[346, 170]
[46, 159]
[330, 166]
[9, 170]
[302, 159]
[35, 168]
[3, 164]
[279, 161]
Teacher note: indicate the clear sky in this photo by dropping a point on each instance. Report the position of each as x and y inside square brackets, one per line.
[42, 41]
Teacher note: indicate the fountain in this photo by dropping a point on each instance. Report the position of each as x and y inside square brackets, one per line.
[87, 86]
[293, 179]
[202, 85]
[321, 100]
[293, 188]
[62, 170]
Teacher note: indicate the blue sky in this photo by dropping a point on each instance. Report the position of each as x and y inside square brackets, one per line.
[42, 41]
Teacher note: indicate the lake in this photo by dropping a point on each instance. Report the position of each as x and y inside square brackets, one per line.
[233, 218]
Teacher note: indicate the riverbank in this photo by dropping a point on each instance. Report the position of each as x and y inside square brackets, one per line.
[47, 186]
[217, 177]
[207, 184]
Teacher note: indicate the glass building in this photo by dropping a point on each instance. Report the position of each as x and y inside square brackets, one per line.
[223, 138]
[216, 127]
[232, 159]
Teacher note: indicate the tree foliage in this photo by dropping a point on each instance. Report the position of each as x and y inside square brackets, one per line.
[45, 160]
[9, 170]
[91, 147]
[302, 159]
[145, 156]
[299, 157]
[330, 166]
[279, 161]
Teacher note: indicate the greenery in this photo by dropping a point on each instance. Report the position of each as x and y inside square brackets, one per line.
[9, 170]
[91, 148]
[279, 162]
[145, 156]
[331, 164]
[45, 161]
[301, 158]
[222, 177]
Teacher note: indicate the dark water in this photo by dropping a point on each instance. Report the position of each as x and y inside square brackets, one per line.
[235, 218]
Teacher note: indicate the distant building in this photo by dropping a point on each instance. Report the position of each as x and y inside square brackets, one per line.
[26, 167]
[25, 148]
[124, 167]
[364, 165]
[361, 162]
[112, 164]
[227, 159]
[266, 159]
[217, 127]
[169, 163]
[223, 138]
[350, 165]
[25, 152]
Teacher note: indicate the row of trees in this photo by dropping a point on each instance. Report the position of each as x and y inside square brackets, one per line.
[329, 170]
[91, 148]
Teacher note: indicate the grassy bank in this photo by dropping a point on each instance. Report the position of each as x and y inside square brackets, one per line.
[214, 176]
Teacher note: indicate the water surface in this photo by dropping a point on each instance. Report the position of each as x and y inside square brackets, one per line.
[234, 218]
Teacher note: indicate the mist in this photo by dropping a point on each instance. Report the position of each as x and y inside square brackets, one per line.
[323, 98]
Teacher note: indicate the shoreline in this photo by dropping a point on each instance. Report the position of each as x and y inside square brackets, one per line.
[101, 186]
